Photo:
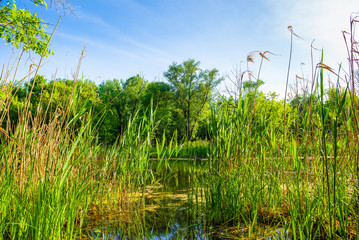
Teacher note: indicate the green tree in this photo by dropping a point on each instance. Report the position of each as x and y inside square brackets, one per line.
[36, 86]
[192, 88]
[132, 91]
[112, 106]
[23, 29]
[159, 95]
[120, 100]
[251, 86]
[49, 97]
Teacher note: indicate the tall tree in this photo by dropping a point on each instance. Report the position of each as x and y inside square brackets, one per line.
[192, 88]
[132, 91]
[120, 100]
[112, 106]
[159, 95]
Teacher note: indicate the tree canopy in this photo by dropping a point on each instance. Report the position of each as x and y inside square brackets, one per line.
[23, 29]
[191, 87]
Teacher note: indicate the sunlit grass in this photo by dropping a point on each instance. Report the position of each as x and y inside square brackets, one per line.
[302, 179]
[53, 170]
[272, 166]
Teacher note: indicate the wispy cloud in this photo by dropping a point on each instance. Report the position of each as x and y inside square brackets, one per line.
[114, 34]
[96, 44]
[91, 18]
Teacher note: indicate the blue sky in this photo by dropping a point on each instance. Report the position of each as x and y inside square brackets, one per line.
[123, 38]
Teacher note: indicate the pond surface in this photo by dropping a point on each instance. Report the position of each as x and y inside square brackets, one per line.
[172, 199]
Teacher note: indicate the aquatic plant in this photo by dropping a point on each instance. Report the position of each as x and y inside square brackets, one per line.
[300, 175]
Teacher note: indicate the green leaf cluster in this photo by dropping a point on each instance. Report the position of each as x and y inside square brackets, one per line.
[23, 29]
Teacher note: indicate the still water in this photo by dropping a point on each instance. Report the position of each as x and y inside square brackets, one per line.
[173, 210]
[173, 198]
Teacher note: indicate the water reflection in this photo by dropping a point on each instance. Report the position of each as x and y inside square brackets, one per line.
[172, 200]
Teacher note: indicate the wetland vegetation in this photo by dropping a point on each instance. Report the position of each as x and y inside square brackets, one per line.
[133, 159]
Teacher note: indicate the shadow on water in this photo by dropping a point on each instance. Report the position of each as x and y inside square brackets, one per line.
[173, 199]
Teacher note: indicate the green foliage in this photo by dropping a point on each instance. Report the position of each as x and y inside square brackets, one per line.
[132, 92]
[250, 86]
[191, 150]
[159, 96]
[114, 102]
[67, 144]
[2, 100]
[53, 171]
[111, 104]
[192, 88]
[297, 179]
[21, 28]
[119, 101]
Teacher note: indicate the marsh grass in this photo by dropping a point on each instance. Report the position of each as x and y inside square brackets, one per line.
[304, 178]
[192, 150]
[53, 172]
[297, 174]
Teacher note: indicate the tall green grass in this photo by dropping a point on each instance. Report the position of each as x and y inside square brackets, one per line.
[192, 150]
[54, 173]
[297, 171]
[304, 179]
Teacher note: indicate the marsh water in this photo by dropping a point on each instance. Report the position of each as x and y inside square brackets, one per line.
[173, 197]
[173, 200]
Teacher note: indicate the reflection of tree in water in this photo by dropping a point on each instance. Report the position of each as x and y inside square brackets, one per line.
[168, 223]
[168, 214]
[175, 215]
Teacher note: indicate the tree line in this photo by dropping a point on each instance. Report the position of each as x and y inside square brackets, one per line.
[181, 104]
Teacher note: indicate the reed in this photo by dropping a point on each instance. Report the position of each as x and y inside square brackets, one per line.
[290, 166]
[53, 171]
[302, 179]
